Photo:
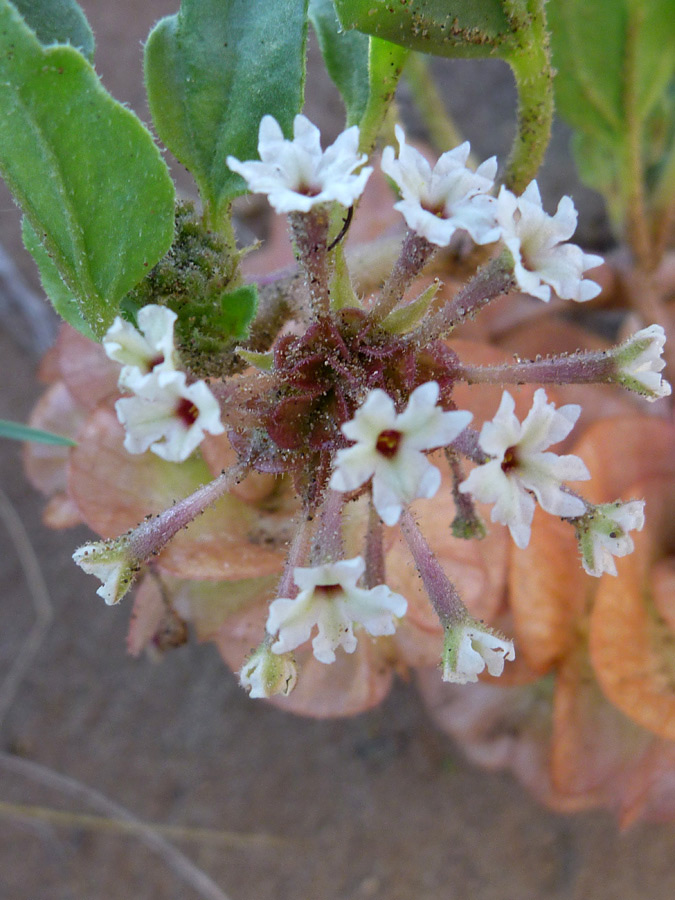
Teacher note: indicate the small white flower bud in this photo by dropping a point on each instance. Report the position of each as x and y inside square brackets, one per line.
[266, 673]
[603, 534]
[469, 648]
[113, 562]
[639, 361]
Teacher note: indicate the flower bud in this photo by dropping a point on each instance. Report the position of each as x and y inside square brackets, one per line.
[469, 647]
[266, 673]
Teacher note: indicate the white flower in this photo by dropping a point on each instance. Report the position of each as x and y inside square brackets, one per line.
[520, 466]
[265, 673]
[471, 647]
[168, 416]
[437, 202]
[639, 362]
[603, 534]
[389, 447]
[297, 175]
[113, 563]
[329, 599]
[536, 241]
[141, 352]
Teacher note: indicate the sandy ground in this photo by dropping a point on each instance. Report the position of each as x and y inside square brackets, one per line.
[380, 806]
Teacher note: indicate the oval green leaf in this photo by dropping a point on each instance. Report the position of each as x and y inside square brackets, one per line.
[84, 169]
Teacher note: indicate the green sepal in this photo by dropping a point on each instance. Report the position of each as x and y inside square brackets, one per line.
[406, 317]
[17, 431]
[212, 72]
[58, 22]
[342, 293]
[263, 361]
[84, 169]
[238, 309]
[345, 54]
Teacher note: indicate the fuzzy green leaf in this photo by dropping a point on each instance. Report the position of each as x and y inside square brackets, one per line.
[213, 71]
[17, 431]
[58, 22]
[440, 27]
[63, 300]
[84, 169]
[613, 91]
[345, 54]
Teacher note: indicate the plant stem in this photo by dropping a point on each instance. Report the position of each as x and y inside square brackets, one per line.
[531, 65]
[439, 124]
[443, 594]
[592, 367]
[491, 281]
[415, 253]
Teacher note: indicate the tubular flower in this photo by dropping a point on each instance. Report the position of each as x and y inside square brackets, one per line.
[265, 673]
[168, 416]
[389, 448]
[297, 175]
[469, 648]
[520, 466]
[330, 599]
[542, 259]
[603, 534]
[141, 352]
[639, 362]
[437, 202]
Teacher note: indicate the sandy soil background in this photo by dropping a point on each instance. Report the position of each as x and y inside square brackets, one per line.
[380, 806]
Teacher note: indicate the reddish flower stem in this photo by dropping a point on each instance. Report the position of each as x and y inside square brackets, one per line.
[443, 595]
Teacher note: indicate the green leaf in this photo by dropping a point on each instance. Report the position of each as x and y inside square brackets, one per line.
[63, 300]
[385, 64]
[238, 309]
[85, 170]
[212, 72]
[443, 27]
[17, 431]
[58, 22]
[345, 54]
[613, 91]
[406, 317]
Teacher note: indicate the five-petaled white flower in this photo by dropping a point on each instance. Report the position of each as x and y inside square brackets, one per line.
[542, 259]
[603, 534]
[297, 175]
[150, 350]
[389, 448]
[639, 363]
[437, 202]
[330, 599]
[168, 416]
[266, 673]
[113, 562]
[471, 647]
[520, 466]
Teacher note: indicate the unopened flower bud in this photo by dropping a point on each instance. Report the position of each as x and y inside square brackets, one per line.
[470, 647]
[114, 562]
[603, 534]
[266, 673]
[639, 362]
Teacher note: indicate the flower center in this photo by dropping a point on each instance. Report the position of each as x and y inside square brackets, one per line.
[329, 589]
[510, 460]
[187, 412]
[155, 361]
[388, 443]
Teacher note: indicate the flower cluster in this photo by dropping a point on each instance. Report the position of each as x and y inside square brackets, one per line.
[354, 412]
[166, 414]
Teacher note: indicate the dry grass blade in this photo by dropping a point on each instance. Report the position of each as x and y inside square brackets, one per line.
[39, 594]
[186, 870]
